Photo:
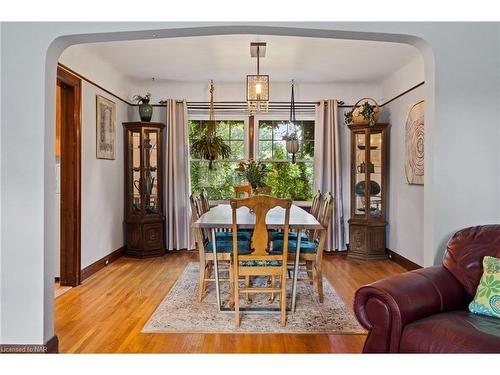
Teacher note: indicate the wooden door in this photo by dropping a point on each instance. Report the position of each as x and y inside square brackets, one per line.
[69, 107]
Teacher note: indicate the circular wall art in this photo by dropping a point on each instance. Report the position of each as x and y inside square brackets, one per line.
[414, 144]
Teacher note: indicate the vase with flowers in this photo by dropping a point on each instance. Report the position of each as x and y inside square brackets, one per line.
[254, 172]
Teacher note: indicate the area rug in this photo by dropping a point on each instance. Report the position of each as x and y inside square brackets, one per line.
[180, 311]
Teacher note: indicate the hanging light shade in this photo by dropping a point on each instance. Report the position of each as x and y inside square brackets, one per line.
[291, 138]
[257, 84]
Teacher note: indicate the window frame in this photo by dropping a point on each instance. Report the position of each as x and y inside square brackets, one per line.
[246, 141]
[226, 117]
[281, 117]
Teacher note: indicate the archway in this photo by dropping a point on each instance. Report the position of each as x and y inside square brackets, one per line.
[63, 42]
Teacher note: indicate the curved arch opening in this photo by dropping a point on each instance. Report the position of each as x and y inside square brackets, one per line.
[61, 43]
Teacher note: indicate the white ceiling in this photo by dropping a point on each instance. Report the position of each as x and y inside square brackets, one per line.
[227, 58]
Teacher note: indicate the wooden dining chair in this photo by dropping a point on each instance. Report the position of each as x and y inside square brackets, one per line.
[311, 251]
[315, 205]
[260, 262]
[242, 189]
[264, 190]
[204, 244]
[305, 235]
[195, 209]
[205, 204]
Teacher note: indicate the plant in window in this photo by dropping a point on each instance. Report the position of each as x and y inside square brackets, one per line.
[210, 146]
[255, 173]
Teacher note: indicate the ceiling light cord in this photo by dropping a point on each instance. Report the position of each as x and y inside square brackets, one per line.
[258, 60]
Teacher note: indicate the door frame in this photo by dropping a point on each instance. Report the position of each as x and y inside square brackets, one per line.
[70, 256]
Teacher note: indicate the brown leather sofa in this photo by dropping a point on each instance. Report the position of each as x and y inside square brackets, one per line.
[426, 310]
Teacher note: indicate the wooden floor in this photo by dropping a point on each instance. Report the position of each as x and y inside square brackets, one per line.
[107, 312]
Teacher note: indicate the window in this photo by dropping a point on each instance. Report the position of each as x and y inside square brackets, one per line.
[287, 179]
[218, 182]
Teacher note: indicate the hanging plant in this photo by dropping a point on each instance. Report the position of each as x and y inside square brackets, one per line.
[210, 146]
[292, 139]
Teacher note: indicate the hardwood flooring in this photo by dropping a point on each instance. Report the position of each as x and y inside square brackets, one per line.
[107, 312]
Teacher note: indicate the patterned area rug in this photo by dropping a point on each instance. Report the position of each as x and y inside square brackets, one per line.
[180, 311]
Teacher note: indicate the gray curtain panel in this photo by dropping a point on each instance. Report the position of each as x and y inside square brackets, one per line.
[178, 215]
[328, 168]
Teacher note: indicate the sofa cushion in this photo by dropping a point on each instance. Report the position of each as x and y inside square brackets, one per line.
[452, 332]
[465, 252]
[487, 299]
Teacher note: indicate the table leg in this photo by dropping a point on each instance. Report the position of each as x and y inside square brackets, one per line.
[216, 270]
[295, 271]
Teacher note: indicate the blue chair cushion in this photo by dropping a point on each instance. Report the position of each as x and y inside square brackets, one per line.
[305, 247]
[228, 236]
[260, 263]
[276, 236]
[227, 247]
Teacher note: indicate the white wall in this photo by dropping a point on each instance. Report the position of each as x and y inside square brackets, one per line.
[83, 61]
[102, 229]
[405, 210]
[102, 183]
[462, 140]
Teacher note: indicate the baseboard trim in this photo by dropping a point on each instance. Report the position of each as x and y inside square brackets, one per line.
[50, 347]
[336, 252]
[402, 261]
[101, 263]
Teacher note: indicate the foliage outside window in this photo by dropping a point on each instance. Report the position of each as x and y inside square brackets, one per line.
[218, 182]
[287, 179]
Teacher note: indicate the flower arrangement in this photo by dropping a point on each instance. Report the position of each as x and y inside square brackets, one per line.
[255, 172]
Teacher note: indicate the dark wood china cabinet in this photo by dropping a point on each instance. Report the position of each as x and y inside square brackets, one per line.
[368, 191]
[144, 217]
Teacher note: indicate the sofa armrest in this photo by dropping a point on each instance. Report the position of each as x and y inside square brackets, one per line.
[386, 306]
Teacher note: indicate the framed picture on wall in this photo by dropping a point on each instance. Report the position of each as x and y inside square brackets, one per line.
[414, 144]
[105, 128]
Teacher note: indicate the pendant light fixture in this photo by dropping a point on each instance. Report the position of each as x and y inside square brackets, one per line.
[291, 138]
[257, 84]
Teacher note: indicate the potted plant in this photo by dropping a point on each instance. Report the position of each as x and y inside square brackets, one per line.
[210, 146]
[292, 144]
[255, 173]
[365, 114]
[145, 109]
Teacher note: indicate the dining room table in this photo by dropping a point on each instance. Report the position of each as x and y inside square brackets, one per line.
[220, 218]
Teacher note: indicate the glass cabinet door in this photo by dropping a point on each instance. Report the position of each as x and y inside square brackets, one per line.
[359, 173]
[375, 171]
[135, 163]
[150, 177]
